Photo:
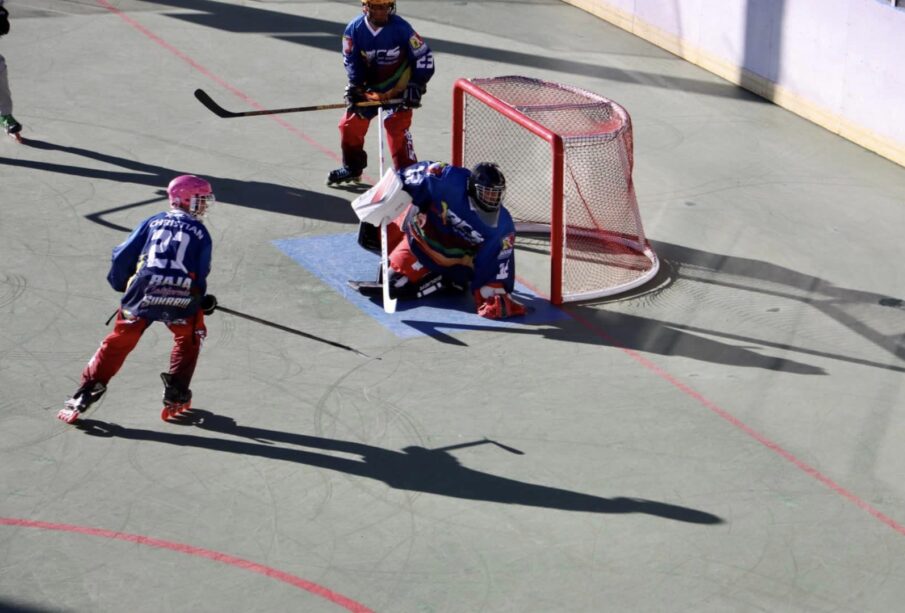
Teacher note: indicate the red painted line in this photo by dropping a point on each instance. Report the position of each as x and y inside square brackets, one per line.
[751, 432]
[735, 421]
[314, 588]
[216, 79]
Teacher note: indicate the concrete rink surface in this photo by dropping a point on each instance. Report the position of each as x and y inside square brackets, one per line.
[726, 438]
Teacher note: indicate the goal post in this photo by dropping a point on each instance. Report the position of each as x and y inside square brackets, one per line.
[567, 157]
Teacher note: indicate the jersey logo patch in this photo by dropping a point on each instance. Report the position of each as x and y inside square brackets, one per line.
[347, 45]
[416, 41]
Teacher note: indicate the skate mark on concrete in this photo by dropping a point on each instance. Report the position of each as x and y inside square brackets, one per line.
[337, 258]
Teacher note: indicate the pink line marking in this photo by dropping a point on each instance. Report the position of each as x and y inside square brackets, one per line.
[751, 432]
[735, 421]
[219, 81]
[314, 588]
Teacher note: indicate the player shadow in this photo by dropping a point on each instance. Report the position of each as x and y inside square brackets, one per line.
[415, 469]
[8, 605]
[259, 195]
[322, 34]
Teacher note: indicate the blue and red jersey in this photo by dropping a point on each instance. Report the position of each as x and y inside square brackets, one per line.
[162, 267]
[447, 233]
[386, 59]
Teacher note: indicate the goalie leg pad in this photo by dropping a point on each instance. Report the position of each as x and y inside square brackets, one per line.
[403, 288]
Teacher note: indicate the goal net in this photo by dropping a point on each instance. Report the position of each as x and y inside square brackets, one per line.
[567, 157]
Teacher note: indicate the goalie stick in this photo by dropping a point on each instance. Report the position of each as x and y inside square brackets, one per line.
[389, 302]
[219, 111]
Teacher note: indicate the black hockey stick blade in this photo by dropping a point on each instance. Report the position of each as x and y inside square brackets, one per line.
[219, 111]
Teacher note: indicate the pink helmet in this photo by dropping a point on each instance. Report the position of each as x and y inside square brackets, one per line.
[190, 194]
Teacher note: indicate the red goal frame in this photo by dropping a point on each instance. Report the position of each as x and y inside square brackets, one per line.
[555, 141]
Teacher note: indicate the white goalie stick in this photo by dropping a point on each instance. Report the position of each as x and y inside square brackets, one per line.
[389, 303]
[379, 206]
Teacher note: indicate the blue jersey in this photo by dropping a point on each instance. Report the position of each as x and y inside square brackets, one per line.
[386, 59]
[447, 234]
[162, 267]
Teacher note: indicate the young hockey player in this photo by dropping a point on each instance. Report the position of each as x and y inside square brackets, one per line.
[456, 233]
[162, 269]
[385, 60]
[7, 121]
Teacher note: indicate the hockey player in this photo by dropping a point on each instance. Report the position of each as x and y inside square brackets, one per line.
[162, 269]
[455, 234]
[385, 59]
[7, 121]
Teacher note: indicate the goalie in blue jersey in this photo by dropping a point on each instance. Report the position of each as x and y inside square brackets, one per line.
[455, 235]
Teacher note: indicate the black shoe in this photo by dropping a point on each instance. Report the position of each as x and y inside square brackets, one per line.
[83, 398]
[172, 394]
[343, 175]
[9, 123]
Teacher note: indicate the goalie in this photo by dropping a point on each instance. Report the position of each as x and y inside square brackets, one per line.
[455, 234]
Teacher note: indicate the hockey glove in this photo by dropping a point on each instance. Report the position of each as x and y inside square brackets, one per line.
[411, 99]
[501, 306]
[354, 94]
[208, 304]
[4, 21]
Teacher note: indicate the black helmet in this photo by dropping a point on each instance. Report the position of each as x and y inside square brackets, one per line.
[487, 186]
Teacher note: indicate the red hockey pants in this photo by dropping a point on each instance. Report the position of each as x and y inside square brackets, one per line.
[401, 258]
[117, 346]
[352, 130]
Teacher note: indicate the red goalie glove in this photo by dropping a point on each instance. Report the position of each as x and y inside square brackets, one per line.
[500, 306]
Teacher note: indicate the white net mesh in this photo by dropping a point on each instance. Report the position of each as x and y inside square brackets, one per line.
[604, 249]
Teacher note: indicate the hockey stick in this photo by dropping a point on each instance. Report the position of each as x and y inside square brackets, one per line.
[219, 111]
[389, 303]
[273, 325]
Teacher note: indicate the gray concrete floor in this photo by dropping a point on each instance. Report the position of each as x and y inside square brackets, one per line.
[728, 439]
